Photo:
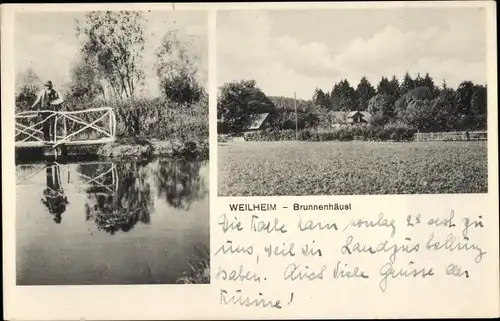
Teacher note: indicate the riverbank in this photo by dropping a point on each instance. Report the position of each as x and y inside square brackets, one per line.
[132, 148]
[147, 148]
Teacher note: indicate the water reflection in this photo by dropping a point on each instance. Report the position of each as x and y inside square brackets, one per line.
[180, 183]
[54, 198]
[119, 195]
[129, 204]
[106, 222]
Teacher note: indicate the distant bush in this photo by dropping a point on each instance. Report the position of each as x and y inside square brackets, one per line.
[391, 132]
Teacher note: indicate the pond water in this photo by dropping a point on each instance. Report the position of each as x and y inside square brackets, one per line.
[105, 222]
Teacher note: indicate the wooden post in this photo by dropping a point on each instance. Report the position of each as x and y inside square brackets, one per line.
[65, 127]
[296, 117]
[53, 174]
[54, 136]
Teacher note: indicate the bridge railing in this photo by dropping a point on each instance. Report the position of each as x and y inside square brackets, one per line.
[81, 127]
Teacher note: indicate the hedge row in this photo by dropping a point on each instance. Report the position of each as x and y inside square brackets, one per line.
[365, 133]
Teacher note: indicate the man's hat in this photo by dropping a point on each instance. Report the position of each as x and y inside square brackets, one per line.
[48, 83]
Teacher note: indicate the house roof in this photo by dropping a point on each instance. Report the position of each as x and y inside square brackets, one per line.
[342, 116]
[366, 115]
[256, 120]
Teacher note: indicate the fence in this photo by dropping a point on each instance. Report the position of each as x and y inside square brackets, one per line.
[463, 135]
[83, 127]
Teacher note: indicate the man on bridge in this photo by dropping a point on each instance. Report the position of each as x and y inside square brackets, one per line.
[49, 100]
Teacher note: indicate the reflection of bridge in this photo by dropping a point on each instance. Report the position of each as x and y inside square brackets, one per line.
[103, 178]
[84, 127]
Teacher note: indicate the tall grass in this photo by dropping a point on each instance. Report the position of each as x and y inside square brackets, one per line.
[199, 272]
[154, 118]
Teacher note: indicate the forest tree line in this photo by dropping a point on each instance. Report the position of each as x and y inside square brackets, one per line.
[413, 102]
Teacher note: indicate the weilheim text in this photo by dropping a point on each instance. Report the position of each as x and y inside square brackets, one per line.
[263, 207]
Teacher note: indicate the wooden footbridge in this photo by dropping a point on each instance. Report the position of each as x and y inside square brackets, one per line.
[84, 127]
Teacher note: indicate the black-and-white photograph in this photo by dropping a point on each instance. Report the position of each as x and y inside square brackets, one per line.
[111, 140]
[364, 101]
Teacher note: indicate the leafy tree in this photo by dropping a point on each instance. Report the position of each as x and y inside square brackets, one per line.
[287, 104]
[381, 104]
[378, 119]
[419, 114]
[364, 92]
[308, 113]
[176, 67]
[85, 83]
[28, 84]
[463, 96]
[479, 107]
[113, 42]
[430, 115]
[419, 93]
[237, 101]
[445, 109]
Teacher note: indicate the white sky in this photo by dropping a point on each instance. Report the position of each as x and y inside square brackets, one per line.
[47, 42]
[299, 50]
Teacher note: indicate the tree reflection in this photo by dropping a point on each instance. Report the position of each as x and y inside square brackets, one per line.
[120, 198]
[180, 182]
[129, 203]
[54, 198]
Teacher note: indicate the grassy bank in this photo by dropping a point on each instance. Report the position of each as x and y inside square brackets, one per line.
[145, 148]
[154, 127]
[199, 272]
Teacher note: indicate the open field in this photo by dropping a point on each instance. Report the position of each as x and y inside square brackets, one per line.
[351, 168]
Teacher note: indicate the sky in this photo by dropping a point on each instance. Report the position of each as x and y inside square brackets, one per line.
[47, 42]
[289, 51]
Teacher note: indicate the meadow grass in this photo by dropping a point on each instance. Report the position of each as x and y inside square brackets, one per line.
[351, 168]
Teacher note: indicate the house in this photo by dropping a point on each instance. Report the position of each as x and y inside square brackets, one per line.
[257, 122]
[357, 117]
[344, 118]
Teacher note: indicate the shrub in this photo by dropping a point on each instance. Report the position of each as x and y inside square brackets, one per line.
[395, 132]
[162, 119]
